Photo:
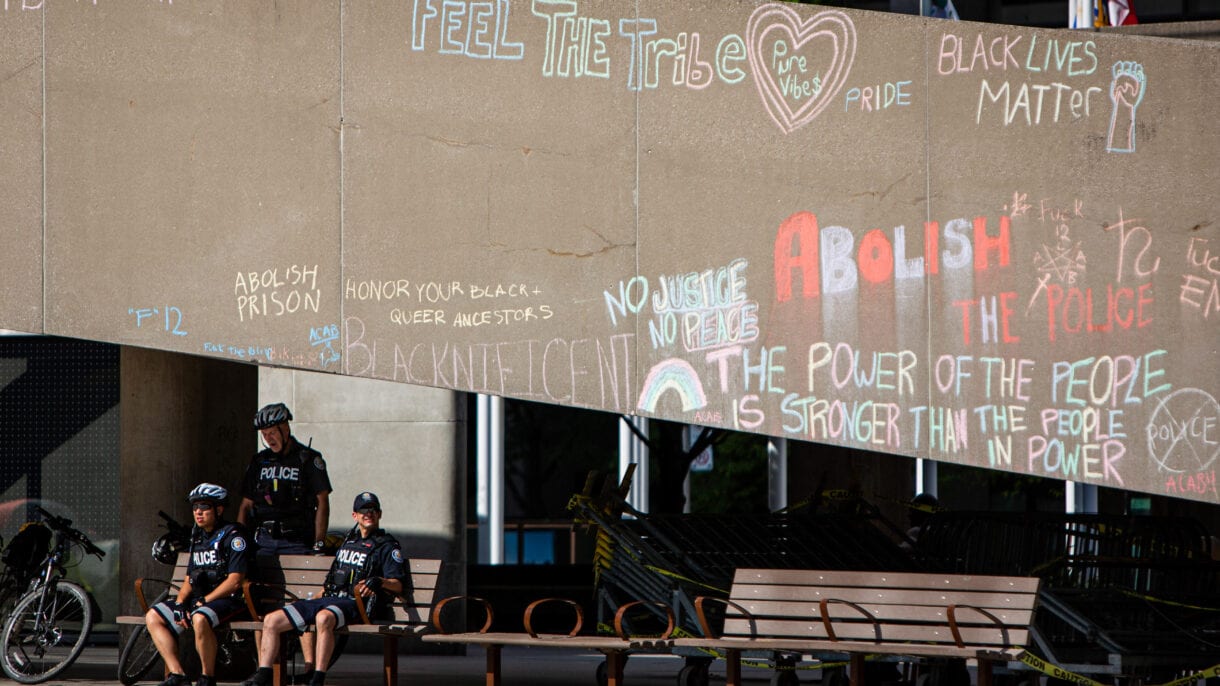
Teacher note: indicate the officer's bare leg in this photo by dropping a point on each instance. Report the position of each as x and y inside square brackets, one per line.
[326, 624]
[274, 624]
[205, 643]
[307, 651]
[165, 640]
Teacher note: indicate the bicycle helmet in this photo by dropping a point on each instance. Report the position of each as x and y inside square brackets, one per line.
[269, 416]
[206, 491]
[166, 548]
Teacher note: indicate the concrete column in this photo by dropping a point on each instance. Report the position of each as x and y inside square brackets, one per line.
[489, 479]
[183, 420]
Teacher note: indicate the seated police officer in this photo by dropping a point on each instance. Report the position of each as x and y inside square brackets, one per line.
[211, 592]
[368, 564]
[286, 491]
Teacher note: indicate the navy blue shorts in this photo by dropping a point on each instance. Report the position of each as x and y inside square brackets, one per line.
[218, 611]
[304, 613]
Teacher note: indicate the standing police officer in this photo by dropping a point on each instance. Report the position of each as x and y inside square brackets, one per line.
[209, 595]
[286, 491]
[369, 564]
[286, 496]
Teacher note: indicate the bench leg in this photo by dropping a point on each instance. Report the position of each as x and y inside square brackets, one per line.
[984, 678]
[615, 659]
[389, 648]
[493, 665]
[732, 667]
[856, 678]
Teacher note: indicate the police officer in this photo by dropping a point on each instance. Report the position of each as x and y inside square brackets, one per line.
[286, 491]
[368, 564]
[211, 592]
[286, 496]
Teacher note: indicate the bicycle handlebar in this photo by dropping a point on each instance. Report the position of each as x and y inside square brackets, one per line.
[64, 526]
[173, 525]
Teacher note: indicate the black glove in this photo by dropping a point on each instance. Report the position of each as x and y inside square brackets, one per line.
[319, 548]
[373, 584]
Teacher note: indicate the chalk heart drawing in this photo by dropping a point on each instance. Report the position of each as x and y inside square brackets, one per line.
[825, 41]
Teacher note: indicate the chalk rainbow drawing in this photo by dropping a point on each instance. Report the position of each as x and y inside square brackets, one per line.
[831, 25]
[677, 375]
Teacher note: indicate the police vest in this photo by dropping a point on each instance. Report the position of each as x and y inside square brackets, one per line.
[354, 563]
[282, 489]
[209, 564]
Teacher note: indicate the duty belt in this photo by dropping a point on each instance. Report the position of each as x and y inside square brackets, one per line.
[277, 529]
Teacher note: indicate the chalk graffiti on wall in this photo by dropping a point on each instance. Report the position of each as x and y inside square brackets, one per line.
[323, 338]
[582, 372]
[42, 4]
[1200, 287]
[799, 65]
[276, 292]
[451, 303]
[1126, 93]
[170, 319]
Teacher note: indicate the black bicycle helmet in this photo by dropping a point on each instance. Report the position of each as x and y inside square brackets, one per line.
[269, 416]
[166, 548]
[206, 491]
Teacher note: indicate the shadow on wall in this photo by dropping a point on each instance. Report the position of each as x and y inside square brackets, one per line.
[58, 415]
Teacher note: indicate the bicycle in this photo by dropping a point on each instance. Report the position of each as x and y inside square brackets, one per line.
[21, 559]
[50, 625]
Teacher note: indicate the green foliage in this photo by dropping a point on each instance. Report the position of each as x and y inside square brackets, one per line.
[738, 481]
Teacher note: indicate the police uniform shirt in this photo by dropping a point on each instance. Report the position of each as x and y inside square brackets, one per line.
[216, 555]
[358, 559]
[285, 488]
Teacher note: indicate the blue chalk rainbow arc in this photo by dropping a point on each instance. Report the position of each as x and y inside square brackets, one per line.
[676, 375]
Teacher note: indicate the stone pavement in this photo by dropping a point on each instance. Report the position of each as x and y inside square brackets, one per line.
[521, 667]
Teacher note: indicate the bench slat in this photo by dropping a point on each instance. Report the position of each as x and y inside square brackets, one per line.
[880, 597]
[906, 613]
[907, 633]
[965, 582]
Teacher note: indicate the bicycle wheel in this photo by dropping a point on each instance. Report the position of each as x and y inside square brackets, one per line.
[138, 656]
[139, 653]
[46, 632]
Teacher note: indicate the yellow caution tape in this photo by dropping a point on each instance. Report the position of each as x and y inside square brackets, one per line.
[1162, 601]
[1210, 672]
[1060, 673]
[674, 575]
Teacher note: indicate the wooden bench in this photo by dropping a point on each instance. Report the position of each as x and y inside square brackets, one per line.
[840, 614]
[615, 648]
[282, 579]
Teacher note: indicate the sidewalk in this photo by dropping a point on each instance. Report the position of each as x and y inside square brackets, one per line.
[521, 667]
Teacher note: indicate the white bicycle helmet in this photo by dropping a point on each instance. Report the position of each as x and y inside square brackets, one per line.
[206, 491]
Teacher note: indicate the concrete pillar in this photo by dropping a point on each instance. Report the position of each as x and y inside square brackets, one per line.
[182, 420]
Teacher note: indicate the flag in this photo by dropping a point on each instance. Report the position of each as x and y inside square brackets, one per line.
[1122, 12]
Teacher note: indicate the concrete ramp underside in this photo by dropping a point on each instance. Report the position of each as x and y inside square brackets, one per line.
[980, 244]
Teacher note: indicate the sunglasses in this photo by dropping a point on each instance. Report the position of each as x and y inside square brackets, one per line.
[201, 507]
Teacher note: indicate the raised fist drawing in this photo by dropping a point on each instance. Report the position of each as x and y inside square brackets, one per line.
[1127, 90]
